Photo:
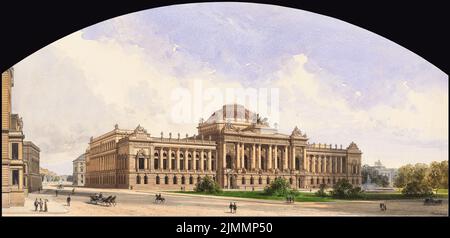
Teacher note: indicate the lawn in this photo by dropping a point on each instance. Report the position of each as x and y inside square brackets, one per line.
[312, 197]
[301, 197]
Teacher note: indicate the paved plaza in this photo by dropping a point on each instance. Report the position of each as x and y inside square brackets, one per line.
[139, 203]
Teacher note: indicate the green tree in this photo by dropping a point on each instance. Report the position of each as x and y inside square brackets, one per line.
[278, 187]
[321, 192]
[208, 185]
[404, 176]
[444, 172]
[344, 189]
[434, 176]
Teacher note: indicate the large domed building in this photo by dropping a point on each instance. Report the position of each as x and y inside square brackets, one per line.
[234, 145]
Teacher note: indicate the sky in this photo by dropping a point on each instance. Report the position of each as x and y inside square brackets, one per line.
[337, 82]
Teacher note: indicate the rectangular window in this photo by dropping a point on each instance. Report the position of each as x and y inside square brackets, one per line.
[15, 151]
[15, 177]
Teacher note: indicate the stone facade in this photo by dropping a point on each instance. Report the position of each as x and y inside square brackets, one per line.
[13, 189]
[234, 146]
[33, 180]
[79, 170]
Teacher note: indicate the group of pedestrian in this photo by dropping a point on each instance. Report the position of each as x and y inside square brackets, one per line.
[383, 206]
[290, 198]
[68, 200]
[233, 207]
[42, 204]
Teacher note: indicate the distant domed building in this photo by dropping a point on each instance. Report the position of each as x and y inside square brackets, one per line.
[235, 146]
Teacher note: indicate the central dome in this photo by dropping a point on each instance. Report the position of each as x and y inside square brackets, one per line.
[233, 113]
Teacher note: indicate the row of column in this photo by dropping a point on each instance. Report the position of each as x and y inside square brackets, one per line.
[101, 163]
[209, 154]
[271, 157]
[325, 164]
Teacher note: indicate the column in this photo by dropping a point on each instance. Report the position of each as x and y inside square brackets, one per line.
[194, 160]
[210, 160]
[305, 159]
[313, 164]
[169, 156]
[161, 152]
[152, 158]
[237, 154]
[178, 159]
[319, 164]
[342, 165]
[325, 164]
[186, 159]
[253, 157]
[243, 155]
[202, 164]
[293, 159]
[259, 156]
[20, 179]
[269, 158]
[224, 155]
[275, 161]
[286, 158]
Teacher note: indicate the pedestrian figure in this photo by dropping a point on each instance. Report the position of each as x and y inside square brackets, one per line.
[56, 192]
[73, 191]
[40, 204]
[68, 201]
[231, 207]
[234, 207]
[36, 204]
[384, 207]
[381, 206]
[45, 205]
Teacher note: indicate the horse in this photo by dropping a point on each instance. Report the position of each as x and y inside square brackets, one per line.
[159, 198]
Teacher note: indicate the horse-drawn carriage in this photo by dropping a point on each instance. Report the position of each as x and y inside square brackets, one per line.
[432, 201]
[159, 198]
[107, 201]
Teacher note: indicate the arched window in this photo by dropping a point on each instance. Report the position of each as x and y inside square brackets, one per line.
[228, 162]
[318, 181]
[183, 180]
[138, 179]
[291, 181]
[260, 180]
[141, 163]
[156, 161]
[157, 179]
[181, 161]
[145, 179]
[166, 180]
[175, 180]
[298, 161]
[268, 180]
[191, 180]
[252, 181]
[243, 180]
[329, 180]
[312, 181]
[199, 179]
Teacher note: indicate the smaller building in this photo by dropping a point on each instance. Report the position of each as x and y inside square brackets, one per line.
[390, 173]
[33, 181]
[79, 170]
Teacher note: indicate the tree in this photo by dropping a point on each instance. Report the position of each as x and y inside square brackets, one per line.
[344, 189]
[208, 185]
[434, 176]
[444, 172]
[321, 192]
[278, 187]
[404, 176]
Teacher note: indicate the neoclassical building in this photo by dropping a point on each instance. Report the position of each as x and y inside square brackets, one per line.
[31, 159]
[79, 170]
[234, 146]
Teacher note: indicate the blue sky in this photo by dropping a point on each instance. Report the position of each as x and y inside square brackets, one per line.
[338, 82]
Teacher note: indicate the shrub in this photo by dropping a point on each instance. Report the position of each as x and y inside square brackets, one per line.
[321, 192]
[208, 185]
[279, 187]
[417, 189]
[344, 189]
